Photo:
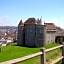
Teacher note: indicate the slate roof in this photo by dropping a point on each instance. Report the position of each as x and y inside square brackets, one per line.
[58, 28]
[30, 21]
[50, 26]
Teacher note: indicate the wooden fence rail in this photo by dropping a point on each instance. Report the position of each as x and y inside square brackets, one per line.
[43, 56]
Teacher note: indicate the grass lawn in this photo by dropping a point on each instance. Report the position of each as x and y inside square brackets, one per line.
[12, 51]
[60, 62]
[49, 56]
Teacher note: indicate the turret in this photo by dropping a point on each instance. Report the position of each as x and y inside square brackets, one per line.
[20, 33]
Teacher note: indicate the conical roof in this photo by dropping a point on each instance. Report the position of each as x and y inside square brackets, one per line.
[21, 23]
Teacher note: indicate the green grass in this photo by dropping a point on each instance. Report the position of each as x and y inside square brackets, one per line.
[60, 62]
[49, 55]
[35, 60]
[12, 51]
[52, 54]
[51, 45]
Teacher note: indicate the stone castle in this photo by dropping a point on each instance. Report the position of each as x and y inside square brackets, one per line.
[33, 33]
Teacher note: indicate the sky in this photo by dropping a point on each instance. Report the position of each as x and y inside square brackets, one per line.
[12, 11]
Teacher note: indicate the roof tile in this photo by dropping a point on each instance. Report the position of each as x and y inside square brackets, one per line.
[50, 26]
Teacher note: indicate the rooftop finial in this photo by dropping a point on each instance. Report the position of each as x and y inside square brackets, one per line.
[41, 17]
[42, 21]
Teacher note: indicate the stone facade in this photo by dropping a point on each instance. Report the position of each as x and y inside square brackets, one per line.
[34, 35]
[50, 33]
[31, 33]
[50, 37]
[20, 33]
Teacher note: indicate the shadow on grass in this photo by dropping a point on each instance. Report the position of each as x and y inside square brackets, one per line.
[15, 44]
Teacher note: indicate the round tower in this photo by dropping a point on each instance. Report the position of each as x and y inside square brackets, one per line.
[20, 33]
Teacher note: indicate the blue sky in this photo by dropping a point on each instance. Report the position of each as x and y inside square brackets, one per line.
[11, 11]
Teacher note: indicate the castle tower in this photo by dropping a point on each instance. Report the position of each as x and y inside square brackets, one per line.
[30, 32]
[34, 33]
[40, 33]
[20, 33]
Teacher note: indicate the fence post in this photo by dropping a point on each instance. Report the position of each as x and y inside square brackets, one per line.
[43, 58]
[63, 54]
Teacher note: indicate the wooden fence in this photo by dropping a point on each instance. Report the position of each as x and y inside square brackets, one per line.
[43, 56]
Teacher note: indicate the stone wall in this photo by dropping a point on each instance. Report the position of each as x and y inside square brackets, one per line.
[50, 36]
[20, 35]
[29, 34]
[39, 39]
